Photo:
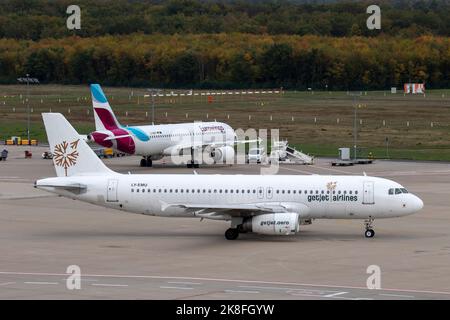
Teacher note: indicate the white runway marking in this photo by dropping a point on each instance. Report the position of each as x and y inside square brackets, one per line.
[182, 288]
[241, 291]
[180, 282]
[226, 280]
[396, 295]
[109, 285]
[335, 294]
[37, 282]
[6, 283]
[83, 280]
[296, 170]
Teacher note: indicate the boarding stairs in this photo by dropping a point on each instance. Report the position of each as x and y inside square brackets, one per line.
[286, 154]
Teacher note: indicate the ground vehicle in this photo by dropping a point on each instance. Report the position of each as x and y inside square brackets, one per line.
[257, 155]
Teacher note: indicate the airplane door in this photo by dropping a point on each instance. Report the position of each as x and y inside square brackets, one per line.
[368, 196]
[111, 194]
[269, 193]
[260, 192]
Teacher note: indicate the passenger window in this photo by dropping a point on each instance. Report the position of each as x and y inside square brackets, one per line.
[132, 190]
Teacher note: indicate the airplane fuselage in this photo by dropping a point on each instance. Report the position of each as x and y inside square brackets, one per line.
[311, 197]
[160, 140]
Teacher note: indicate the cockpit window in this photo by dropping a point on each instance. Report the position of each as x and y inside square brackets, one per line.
[397, 191]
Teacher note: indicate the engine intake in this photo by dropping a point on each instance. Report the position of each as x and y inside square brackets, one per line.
[223, 154]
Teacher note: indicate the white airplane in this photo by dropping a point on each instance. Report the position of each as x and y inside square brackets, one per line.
[156, 141]
[263, 204]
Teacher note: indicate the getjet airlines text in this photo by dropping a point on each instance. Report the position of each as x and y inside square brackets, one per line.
[231, 309]
[323, 198]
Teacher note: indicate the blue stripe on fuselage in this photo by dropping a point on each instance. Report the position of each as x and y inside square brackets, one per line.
[141, 135]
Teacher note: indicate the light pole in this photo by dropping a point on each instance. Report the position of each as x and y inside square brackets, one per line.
[28, 80]
[355, 125]
[153, 93]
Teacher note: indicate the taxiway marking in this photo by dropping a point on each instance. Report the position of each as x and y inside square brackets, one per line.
[229, 280]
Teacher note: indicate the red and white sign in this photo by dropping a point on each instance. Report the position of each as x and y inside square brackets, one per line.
[414, 88]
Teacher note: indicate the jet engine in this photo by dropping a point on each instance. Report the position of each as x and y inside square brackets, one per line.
[272, 224]
[223, 154]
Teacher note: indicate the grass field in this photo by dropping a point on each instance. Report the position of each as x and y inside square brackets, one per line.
[417, 127]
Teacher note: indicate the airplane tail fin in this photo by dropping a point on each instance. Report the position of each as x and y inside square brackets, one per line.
[103, 114]
[71, 155]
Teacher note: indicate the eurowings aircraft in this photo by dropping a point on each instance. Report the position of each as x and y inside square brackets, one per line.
[263, 204]
[156, 141]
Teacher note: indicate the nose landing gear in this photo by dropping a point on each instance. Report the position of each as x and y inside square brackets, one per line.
[369, 233]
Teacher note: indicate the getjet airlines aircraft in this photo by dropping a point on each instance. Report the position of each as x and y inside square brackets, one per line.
[264, 204]
[156, 141]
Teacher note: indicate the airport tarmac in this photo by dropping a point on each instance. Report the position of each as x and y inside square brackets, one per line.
[129, 256]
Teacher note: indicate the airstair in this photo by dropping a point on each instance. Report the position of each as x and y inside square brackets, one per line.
[286, 154]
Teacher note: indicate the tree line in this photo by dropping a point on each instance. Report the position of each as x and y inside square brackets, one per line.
[231, 61]
[40, 19]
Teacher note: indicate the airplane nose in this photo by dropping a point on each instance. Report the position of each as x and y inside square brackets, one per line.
[418, 203]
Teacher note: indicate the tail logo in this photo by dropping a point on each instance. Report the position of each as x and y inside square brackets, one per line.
[65, 157]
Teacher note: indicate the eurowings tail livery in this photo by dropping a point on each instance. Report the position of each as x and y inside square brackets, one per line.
[156, 141]
[263, 204]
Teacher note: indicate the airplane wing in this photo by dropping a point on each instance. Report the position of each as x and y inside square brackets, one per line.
[199, 146]
[231, 209]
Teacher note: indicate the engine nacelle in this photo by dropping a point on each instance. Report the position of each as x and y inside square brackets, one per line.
[272, 224]
[223, 154]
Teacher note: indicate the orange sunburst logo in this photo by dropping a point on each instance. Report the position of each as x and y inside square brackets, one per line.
[65, 157]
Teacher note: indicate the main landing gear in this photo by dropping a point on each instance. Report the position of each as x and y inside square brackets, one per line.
[369, 233]
[146, 162]
[232, 234]
[192, 163]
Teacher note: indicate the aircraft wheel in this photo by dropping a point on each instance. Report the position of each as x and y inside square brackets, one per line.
[149, 163]
[143, 163]
[196, 165]
[231, 234]
[369, 233]
[189, 165]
